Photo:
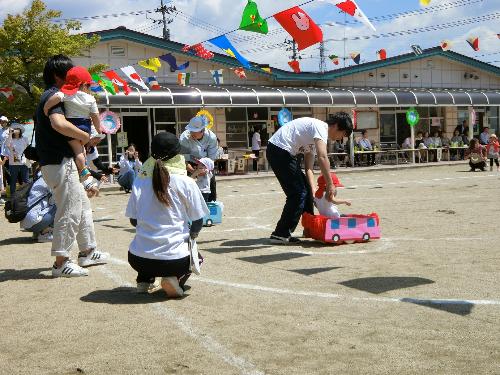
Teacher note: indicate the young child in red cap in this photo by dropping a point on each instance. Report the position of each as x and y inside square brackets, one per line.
[80, 108]
[325, 207]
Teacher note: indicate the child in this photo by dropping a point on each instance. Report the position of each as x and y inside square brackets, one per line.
[80, 108]
[492, 150]
[163, 202]
[203, 174]
[325, 207]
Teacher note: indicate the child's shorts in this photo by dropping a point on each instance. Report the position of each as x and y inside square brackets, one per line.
[83, 124]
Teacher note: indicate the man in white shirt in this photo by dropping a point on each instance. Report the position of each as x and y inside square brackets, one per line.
[4, 134]
[308, 136]
[256, 145]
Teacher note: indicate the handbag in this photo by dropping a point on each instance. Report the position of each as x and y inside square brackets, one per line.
[195, 258]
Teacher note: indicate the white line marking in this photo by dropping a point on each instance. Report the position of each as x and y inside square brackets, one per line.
[206, 341]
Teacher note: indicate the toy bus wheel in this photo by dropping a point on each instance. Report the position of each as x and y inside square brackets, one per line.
[209, 223]
[366, 237]
[336, 238]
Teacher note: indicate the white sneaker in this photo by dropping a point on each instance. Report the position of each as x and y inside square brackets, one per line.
[92, 258]
[2, 202]
[46, 237]
[69, 269]
[144, 288]
[171, 286]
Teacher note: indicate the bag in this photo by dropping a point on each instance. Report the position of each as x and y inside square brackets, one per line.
[195, 259]
[17, 207]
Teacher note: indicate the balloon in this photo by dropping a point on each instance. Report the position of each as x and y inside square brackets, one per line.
[284, 116]
[412, 117]
[110, 122]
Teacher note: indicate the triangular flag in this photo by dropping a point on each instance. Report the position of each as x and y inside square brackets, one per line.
[300, 26]
[350, 7]
[172, 61]
[295, 65]
[382, 54]
[240, 72]
[224, 44]
[183, 79]
[7, 92]
[153, 83]
[265, 67]
[334, 58]
[199, 50]
[134, 76]
[474, 42]
[425, 3]
[445, 45]
[217, 76]
[117, 81]
[251, 19]
[152, 64]
[356, 57]
[104, 83]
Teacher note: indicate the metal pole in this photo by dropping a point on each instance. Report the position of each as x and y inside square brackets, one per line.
[110, 156]
[351, 148]
[166, 32]
[413, 143]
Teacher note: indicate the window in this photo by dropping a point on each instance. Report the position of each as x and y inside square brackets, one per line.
[117, 51]
[366, 120]
[236, 128]
[335, 224]
[387, 127]
[164, 120]
[371, 223]
[351, 223]
[257, 119]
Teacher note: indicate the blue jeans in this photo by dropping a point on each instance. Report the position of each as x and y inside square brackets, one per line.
[47, 221]
[15, 171]
[294, 183]
[126, 180]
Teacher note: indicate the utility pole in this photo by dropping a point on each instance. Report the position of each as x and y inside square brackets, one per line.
[292, 46]
[322, 62]
[165, 10]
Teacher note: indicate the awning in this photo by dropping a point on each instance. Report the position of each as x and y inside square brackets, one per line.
[254, 96]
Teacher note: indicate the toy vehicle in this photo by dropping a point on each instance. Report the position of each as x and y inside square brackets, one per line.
[215, 216]
[350, 228]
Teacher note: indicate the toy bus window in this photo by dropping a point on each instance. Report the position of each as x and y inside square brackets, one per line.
[351, 223]
[335, 224]
[213, 210]
[371, 223]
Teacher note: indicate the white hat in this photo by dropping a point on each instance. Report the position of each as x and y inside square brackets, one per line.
[18, 126]
[3, 118]
[208, 163]
[197, 124]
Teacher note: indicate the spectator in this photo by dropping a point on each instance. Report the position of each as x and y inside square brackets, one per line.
[476, 154]
[461, 128]
[465, 137]
[130, 165]
[73, 220]
[457, 138]
[484, 137]
[420, 145]
[4, 134]
[365, 145]
[407, 144]
[445, 141]
[427, 139]
[492, 150]
[256, 146]
[14, 148]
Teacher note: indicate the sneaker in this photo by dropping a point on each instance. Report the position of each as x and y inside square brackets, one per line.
[46, 237]
[93, 258]
[171, 286]
[277, 240]
[69, 269]
[2, 202]
[144, 288]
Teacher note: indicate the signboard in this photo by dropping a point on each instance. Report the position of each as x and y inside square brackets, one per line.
[412, 117]
[122, 139]
[436, 122]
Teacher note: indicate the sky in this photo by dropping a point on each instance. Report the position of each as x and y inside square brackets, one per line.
[200, 20]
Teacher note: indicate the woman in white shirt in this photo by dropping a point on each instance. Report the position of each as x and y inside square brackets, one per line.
[14, 148]
[130, 165]
[164, 201]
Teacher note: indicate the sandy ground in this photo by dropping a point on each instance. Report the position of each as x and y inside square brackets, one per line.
[425, 299]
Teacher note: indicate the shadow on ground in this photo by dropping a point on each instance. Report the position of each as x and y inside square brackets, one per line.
[17, 241]
[124, 296]
[378, 285]
[461, 308]
[314, 271]
[234, 249]
[27, 274]
[263, 259]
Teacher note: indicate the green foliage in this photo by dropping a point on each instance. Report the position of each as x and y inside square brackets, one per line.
[27, 40]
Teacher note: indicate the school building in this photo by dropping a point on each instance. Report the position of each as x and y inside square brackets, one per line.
[445, 87]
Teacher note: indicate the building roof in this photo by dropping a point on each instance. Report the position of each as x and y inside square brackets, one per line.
[283, 75]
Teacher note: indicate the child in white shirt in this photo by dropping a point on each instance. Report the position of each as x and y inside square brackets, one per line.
[80, 109]
[325, 207]
[203, 174]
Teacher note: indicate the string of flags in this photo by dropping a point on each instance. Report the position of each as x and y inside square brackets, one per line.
[7, 92]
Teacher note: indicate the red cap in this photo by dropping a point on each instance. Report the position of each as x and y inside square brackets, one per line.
[322, 185]
[76, 77]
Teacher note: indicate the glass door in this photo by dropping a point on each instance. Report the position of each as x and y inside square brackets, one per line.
[388, 133]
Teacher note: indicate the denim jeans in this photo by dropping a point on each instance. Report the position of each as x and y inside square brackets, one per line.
[126, 180]
[294, 184]
[47, 221]
[15, 171]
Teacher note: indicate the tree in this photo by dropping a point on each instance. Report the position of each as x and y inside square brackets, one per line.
[27, 40]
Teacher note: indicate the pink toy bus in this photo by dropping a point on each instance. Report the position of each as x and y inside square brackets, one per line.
[351, 228]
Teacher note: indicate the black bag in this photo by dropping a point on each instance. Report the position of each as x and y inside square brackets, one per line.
[17, 207]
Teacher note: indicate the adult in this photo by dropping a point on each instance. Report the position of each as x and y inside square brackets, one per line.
[14, 148]
[130, 165]
[443, 139]
[365, 145]
[461, 128]
[73, 220]
[307, 136]
[465, 137]
[4, 133]
[484, 137]
[476, 154]
[199, 142]
[256, 146]
[97, 169]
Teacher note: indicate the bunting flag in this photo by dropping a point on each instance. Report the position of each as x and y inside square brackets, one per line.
[350, 7]
[153, 83]
[152, 64]
[183, 79]
[199, 50]
[295, 65]
[265, 67]
[117, 82]
[240, 72]
[334, 58]
[7, 92]
[382, 54]
[224, 44]
[251, 19]
[131, 73]
[104, 83]
[474, 42]
[425, 3]
[445, 45]
[300, 26]
[217, 76]
[356, 57]
[172, 61]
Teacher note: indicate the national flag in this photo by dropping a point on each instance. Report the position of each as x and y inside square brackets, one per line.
[224, 44]
[106, 84]
[445, 45]
[172, 61]
[474, 42]
[152, 64]
[240, 72]
[217, 76]
[7, 92]
[117, 81]
[265, 67]
[425, 3]
[153, 83]
[334, 58]
[295, 65]
[183, 79]
[300, 26]
[131, 73]
[350, 7]
[199, 50]
[251, 19]
[382, 54]
[356, 57]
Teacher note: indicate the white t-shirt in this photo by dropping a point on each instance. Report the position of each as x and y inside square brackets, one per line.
[162, 232]
[297, 136]
[203, 182]
[14, 149]
[326, 208]
[256, 141]
[80, 105]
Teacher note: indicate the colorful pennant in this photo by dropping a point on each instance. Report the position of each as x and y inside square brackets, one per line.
[224, 44]
[172, 61]
[117, 82]
[295, 65]
[199, 51]
[240, 72]
[474, 42]
[350, 7]
[425, 3]
[334, 58]
[152, 64]
[104, 83]
[265, 67]
[251, 19]
[7, 92]
[356, 57]
[217, 76]
[131, 73]
[300, 26]
[382, 54]
[183, 79]
[153, 83]
[445, 45]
